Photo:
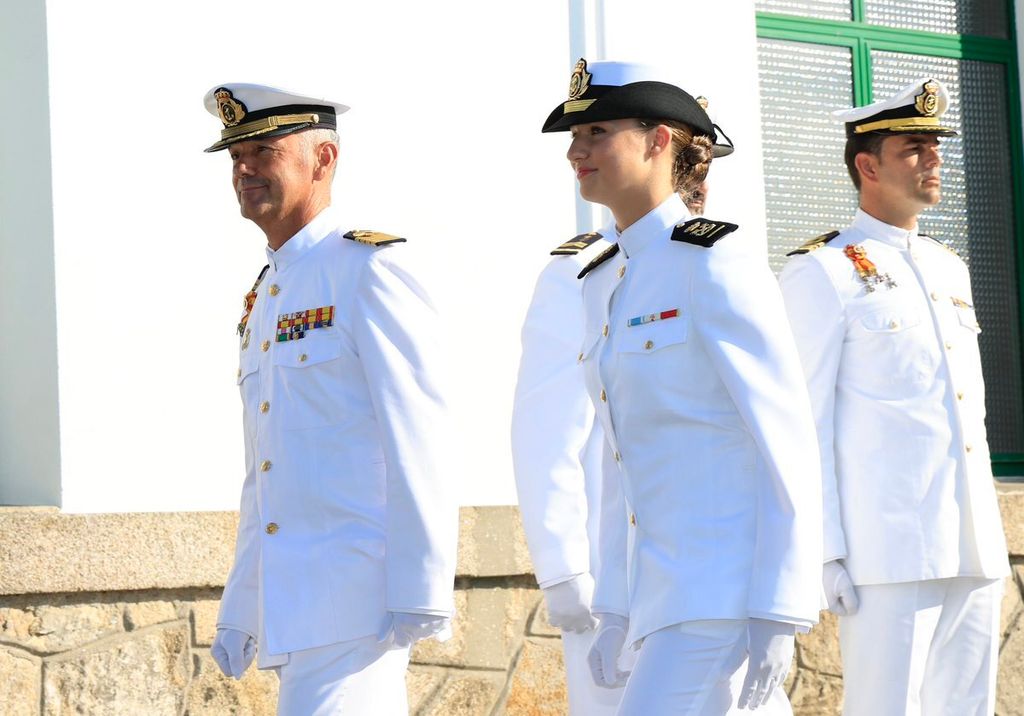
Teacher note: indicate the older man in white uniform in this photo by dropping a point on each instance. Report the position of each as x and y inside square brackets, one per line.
[346, 542]
[885, 323]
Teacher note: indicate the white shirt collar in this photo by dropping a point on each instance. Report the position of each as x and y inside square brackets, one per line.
[875, 229]
[653, 224]
[307, 237]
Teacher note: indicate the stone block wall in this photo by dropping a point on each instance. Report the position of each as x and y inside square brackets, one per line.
[114, 614]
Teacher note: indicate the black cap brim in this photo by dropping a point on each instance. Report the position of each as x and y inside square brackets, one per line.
[639, 100]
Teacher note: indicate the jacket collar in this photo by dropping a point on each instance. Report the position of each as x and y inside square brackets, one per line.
[322, 225]
[653, 224]
[879, 230]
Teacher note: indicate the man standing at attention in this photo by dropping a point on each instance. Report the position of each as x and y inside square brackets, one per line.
[346, 543]
[885, 324]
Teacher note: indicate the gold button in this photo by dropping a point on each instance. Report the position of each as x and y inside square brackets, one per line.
[649, 345]
[959, 396]
[618, 457]
[266, 465]
[302, 358]
[604, 396]
[622, 271]
[272, 528]
[604, 331]
[632, 519]
[935, 296]
[239, 372]
[967, 448]
[949, 346]
[274, 289]
[579, 358]
[265, 346]
[265, 406]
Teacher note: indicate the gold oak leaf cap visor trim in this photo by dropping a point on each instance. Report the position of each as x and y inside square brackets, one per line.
[253, 110]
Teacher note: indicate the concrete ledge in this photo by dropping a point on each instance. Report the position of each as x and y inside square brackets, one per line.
[43, 551]
[1011, 505]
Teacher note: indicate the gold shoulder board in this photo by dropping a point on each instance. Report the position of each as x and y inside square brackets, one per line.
[702, 232]
[816, 243]
[948, 247]
[577, 244]
[599, 259]
[373, 238]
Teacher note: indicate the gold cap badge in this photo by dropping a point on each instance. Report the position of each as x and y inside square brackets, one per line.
[703, 102]
[231, 111]
[579, 83]
[927, 103]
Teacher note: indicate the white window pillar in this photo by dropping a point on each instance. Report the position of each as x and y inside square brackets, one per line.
[29, 425]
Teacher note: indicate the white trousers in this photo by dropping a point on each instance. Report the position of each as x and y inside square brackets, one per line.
[694, 668]
[354, 678]
[922, 649]
[586, 698]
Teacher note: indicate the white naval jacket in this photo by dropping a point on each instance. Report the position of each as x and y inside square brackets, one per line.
[556, 442]
[708, 423]
[345, 510]
[895, 380]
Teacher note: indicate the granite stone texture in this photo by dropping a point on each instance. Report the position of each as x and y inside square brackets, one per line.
[128, 631]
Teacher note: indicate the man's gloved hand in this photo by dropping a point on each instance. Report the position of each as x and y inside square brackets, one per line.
[603, 657]
[839, 592]
[569, 604]
[770, 650]
[405, 628]
[233, 650]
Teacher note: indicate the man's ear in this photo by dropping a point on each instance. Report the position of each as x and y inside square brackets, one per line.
[327, 157]
[867, 164]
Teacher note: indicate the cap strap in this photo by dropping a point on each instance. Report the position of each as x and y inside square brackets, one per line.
[900, 122]
[268, 123]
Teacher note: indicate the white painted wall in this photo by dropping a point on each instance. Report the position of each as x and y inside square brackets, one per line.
[442, 146]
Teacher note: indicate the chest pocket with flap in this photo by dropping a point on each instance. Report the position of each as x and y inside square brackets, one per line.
[314, 349]
[890, 319]
[653, 336]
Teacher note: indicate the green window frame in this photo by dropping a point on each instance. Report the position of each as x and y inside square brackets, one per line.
[862, 38]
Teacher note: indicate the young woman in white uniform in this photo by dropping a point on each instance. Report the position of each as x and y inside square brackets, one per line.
[713, 484]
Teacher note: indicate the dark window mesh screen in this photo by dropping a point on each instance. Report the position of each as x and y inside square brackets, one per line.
[960, 17]
[807, 189]
[976, 216]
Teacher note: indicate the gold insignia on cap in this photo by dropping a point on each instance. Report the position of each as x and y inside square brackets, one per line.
[703, 102]
[231, 111]
[579, 83]
[927, 102]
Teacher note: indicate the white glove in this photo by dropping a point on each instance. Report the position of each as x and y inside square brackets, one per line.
[569, 604]
[839, 592]
[770, 653]
[405, 628]
[603, 657]
[233, 650]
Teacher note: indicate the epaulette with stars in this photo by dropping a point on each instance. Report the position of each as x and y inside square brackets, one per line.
[599, 259]
[373, 238]
[816, 243]
[576, 244]
[702, 232]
